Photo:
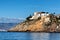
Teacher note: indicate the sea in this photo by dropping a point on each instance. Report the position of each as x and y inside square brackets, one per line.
[29, 36]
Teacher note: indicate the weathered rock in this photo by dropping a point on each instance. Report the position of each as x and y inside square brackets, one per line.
[44, 24]
[34, 25]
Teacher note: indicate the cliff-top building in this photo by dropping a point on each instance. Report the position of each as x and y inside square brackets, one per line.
[39, 14]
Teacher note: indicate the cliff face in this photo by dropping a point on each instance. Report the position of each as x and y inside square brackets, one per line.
[42, 24]
[29, 26]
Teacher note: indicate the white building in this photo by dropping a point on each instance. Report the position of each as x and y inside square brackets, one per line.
[38, 14]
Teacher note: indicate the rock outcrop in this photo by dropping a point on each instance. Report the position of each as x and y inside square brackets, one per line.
[41, 24]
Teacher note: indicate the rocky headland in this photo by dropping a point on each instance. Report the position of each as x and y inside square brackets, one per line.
[39, 22]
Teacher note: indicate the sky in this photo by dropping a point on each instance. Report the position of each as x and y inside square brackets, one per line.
[23, 8]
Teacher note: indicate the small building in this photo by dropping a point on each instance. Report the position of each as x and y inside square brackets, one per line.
[39, 14]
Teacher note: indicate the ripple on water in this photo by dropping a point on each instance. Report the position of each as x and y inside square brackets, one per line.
[29, 36]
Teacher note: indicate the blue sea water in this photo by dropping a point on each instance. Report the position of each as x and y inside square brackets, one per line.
[29, 36]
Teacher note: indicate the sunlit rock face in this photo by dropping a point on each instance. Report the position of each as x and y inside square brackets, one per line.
[46, 23]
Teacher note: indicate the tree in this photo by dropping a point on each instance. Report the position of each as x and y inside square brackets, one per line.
[28, 18]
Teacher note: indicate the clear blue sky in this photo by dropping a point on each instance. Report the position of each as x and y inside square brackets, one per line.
[23, 8]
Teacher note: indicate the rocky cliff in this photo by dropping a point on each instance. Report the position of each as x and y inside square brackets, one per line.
[42, 24]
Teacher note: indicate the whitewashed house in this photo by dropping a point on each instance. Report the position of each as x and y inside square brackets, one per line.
[38, 14]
